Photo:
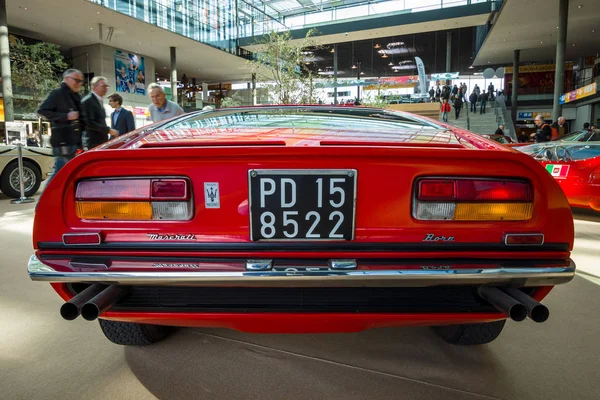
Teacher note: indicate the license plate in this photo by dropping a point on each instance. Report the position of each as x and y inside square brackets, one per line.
[302, 205]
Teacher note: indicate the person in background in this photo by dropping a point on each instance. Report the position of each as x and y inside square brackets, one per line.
[491, 91]
[62, 108]
[473, 101]
[458, 103]
[543, 132]
[561, 127]
[120, 119]
[445, 110]
[431, 94]
[586, 126]
[477, 90]
[500, 130]
[483, 101]
[522, 138]
[161, 108]
[96, 130]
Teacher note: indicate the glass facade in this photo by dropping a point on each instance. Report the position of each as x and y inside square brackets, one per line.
[212, 22]
[219, 23]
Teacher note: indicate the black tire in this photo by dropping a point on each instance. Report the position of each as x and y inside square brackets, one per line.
[470, 334]
[30, 171]
[132, 334]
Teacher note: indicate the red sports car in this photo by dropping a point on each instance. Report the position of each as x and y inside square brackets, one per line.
[576, 168]
[302, 219]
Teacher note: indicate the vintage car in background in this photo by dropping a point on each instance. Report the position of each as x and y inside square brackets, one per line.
[302, 219]
[575, 166]
[499, 138]
[38, 164]
[583, 135]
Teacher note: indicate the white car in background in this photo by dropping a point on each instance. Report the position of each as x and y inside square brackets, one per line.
[38, 164]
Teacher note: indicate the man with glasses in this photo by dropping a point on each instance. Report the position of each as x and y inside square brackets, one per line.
[96, 129]
[62, 108]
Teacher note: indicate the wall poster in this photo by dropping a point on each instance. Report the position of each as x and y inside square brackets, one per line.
[130, 76]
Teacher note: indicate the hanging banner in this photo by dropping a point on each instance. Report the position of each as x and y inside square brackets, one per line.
[444, 76]
[130, 74]
[422, 87]
[580, 93]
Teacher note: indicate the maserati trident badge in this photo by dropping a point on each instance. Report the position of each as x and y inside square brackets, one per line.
[211, 195]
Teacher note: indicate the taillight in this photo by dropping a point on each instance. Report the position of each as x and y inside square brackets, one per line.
[139, 199]
[473, 199]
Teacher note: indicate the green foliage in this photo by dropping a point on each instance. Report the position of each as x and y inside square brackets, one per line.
[284, 68]
[375, 100]
[35, 70]
[234, 101]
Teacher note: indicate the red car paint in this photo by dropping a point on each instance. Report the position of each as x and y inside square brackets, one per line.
[388, 166]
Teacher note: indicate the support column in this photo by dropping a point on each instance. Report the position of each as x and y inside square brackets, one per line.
[253, 89]
[448, 51]
[335, 73]
[174, 74]
[561, 43]
[5, 66]
[204, 91]
[358, 79]
[515, 87]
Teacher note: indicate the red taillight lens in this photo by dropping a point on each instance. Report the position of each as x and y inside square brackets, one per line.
[118, 189]
[493, 190]
[169, 189]
[436, 190]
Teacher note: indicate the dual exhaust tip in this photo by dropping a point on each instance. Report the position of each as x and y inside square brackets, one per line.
[92, 302]
[98, 298]
[514, 303]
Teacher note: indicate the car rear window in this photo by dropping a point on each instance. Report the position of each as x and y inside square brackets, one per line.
[306, 120]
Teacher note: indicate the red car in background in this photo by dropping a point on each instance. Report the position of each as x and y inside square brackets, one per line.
[302, 219]
[576, 168]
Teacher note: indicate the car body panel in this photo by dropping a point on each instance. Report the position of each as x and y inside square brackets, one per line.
[40, 156]
[214, 245]
[581, 180]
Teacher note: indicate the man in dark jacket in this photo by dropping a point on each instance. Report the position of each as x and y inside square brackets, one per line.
[96, 129]
[473, 101]
[458, 103]
[62, 108]
[483, 98]
[543, 132]
[500, 130]
[120, 119]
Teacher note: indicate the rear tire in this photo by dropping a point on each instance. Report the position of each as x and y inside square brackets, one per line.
[10, 178]
[132, 334]
[470, 334]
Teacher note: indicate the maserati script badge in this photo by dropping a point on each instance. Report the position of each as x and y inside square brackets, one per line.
[185, 236]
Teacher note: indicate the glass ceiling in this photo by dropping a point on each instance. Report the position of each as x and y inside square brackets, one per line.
[288, 8]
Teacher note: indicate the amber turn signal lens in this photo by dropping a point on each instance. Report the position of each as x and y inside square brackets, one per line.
[121, 210]
[493, 211]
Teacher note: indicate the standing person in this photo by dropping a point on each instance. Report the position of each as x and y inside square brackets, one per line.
[431, 95]
[491, 91]
[438, 93]
[445, 110]
[62, 108]
[96, 129]
[477, 90]
[500, 130]
[561, 127]
[483, 101]
[120, 119]
[473, 101]
[458, 103]
[161, 108]
[543, 132]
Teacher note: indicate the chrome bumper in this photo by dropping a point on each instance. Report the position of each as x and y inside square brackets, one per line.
[514, 276]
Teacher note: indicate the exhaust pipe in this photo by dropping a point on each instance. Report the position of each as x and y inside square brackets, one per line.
[503, 302]
[102, 302]
[72, 308]
[535, 310]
